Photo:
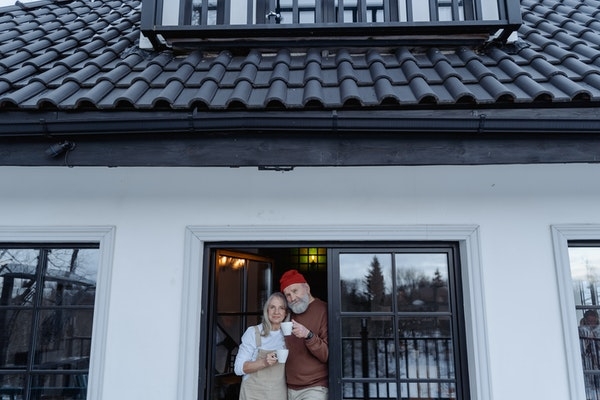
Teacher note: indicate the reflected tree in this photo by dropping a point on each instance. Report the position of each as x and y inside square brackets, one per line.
[375, 286]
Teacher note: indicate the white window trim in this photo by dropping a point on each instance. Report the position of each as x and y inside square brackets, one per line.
[466, 235]
[104, 236]
[561, 234]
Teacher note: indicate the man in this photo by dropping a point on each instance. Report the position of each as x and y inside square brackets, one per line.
[306, 368]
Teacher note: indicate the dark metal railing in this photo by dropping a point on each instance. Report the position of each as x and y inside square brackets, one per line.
[415, 368]
[310, 21]
[219, 12]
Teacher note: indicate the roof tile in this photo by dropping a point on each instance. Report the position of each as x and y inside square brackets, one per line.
[80, 54]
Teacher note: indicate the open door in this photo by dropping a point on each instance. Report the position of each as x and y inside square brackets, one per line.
[243, 282]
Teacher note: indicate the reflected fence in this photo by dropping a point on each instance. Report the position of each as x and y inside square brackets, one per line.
[413, 368]
[590, 355]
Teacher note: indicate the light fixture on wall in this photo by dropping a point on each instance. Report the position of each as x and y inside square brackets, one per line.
[231, 262]
[58, 149]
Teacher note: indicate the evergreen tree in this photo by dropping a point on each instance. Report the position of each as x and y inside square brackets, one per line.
[375, 284]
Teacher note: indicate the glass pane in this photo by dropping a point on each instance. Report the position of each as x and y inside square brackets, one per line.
[370, 390]
[258, 286]
[368, 348]
[425, 346]
[63, 339]
[585, 276]
[63, 386]
[353, 11]
[428, 390]
[366, 282]
[17, 276]
[15, 330]
[12, 386]
[70, 278]
[210, 13]
[298, 11]
[230, 284]
[422, 281]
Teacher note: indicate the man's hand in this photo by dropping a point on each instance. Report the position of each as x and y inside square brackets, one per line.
[299, 330]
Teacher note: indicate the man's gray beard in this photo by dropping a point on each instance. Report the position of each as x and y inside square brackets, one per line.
[301, 306]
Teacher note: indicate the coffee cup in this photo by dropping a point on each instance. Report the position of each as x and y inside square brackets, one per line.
[286, 328]
[282, 355]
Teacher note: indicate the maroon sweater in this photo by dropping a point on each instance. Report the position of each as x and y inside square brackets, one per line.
[306, 365]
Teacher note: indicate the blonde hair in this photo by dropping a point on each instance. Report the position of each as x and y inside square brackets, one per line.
[266, 324]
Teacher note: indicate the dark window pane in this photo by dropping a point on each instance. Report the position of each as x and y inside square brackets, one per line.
[12, 386]
[70, 278]
[63, 386]
[15, 330]
[422, 281]
[257, 286]
[59, 341]
[63, 339]
[17, 276]
[366, 282]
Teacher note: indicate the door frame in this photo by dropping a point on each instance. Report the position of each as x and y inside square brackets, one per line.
[193, 316]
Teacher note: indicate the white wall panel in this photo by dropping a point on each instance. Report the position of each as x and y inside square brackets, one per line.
[514, 207]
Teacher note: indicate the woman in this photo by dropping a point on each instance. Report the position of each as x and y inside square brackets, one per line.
[256, 360]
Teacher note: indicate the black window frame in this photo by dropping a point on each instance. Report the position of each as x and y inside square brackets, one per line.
[75, 372]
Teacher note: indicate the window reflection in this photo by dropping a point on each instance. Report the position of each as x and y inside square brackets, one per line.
[397, 326]
[366, 282]
[422, 282]
[46, 312]
[585, 273]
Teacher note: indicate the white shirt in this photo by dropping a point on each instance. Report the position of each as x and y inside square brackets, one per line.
[248, 350]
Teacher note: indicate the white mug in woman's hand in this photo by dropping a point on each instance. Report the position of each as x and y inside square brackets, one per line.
[282, 355]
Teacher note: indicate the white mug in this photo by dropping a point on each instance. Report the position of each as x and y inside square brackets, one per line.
[282, 355]
[286, 328]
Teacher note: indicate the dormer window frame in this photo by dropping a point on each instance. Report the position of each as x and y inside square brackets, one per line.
[213, 27]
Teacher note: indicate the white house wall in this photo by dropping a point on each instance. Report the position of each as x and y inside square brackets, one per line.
[514, 207]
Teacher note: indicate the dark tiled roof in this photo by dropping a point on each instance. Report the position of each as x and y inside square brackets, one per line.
[84, 55]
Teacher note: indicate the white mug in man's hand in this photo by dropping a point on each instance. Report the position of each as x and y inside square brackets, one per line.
[286, 328]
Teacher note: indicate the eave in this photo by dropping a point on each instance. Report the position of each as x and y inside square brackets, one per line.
[283, 140]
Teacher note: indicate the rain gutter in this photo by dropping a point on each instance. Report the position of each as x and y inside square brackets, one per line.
[19, 124]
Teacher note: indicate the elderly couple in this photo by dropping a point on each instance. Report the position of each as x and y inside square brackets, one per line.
[304, 376]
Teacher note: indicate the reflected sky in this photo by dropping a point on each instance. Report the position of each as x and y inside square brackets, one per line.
[584, 262]
[355, 267]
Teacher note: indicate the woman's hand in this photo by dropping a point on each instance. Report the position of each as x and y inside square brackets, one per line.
[271, 359]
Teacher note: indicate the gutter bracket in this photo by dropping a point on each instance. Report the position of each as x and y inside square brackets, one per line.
[334, 121]
[481, 126]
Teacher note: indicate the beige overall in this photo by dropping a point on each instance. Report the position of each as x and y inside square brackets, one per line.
[266, 384]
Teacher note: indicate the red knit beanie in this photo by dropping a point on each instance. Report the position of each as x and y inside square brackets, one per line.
[290, 277]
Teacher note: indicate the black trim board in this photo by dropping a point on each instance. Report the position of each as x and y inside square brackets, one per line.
[302, 138]
[281, 152]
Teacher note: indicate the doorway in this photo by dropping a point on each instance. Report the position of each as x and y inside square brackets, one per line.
[396, 322]
[242, 279]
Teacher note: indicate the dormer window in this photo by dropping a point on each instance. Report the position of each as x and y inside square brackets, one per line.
[169, 21]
